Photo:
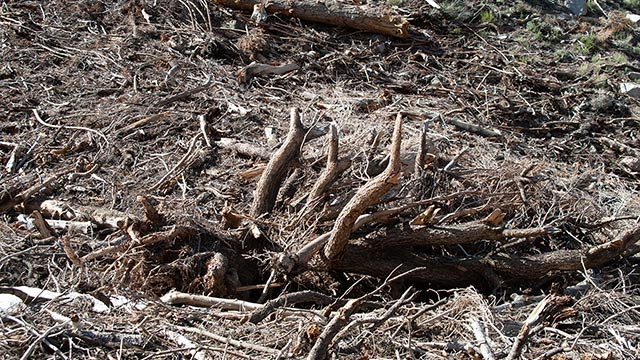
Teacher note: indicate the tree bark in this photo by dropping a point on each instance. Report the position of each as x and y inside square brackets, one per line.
[458, 234]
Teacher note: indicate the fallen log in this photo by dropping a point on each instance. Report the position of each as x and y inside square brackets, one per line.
[458, 234]
[331, 13]
[483, 272]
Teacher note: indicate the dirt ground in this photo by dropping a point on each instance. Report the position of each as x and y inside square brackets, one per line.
[134, 134]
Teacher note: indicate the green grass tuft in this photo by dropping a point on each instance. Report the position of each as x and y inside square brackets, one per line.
[486, 16]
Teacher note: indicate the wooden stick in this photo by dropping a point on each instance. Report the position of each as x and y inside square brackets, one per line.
[288, 300]
[182, 340]
[39, 119]
[249, 72]
[366, 196]
[111, 339]
[244, 148]
[46, 231]
[267, 189]
[333, 169]
[341, 318]
[144, 121]
[179, 298]
[476, 129]
[185, 94]
[68, 250]
[478, 332]
[532, 320]
[226, 340]
[418, 165]
[8, 199]
[179, 167]
[321, 347]
[40, 337]
[331, 13]
[376, 321]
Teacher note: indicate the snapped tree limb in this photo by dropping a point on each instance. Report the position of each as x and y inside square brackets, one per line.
[367, 195]
[333, 169]
[267, 189]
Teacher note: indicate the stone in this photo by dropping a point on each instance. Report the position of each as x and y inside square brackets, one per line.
[631, 89]
[631, 162]
[577, 7]
[10, 305]
[602, 102]
[633, 17]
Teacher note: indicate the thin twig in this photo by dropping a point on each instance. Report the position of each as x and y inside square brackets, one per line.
[226, 340]
[39, 119]
[172, 172]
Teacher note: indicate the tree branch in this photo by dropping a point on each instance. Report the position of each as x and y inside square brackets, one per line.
[367, 195]
[267, 189]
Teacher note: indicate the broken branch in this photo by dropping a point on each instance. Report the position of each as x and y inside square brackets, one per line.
[250, 71]
[333, 169]
[366, 196]
[267, 188]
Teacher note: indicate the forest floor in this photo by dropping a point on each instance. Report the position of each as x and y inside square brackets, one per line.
[133, 135]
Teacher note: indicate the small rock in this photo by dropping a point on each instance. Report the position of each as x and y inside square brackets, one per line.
[235, 24]
[630, 162]
[634, 75]
[633, 17]
[577, 7]
[631, 89]
[10, 304]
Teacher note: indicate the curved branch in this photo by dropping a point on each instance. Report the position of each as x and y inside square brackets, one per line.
[273, 176]
[331, 172]
[367, 195]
